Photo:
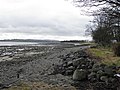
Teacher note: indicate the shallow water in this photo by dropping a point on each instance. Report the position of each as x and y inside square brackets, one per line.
[16, 43]
[10, 43]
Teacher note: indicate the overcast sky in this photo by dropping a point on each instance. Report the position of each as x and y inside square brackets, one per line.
[41, 19]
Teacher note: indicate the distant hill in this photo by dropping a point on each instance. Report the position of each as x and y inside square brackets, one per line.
[74, 41]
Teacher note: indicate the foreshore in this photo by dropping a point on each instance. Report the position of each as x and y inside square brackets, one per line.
[52, 65]
[31, 63]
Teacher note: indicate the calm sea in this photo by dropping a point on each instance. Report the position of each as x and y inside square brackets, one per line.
[17, 43]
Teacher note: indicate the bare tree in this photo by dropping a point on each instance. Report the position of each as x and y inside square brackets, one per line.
[111, 5]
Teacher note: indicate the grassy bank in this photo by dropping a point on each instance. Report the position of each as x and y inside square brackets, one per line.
[105, 55]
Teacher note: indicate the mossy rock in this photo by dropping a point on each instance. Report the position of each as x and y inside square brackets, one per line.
[80, 74]
[109, 71]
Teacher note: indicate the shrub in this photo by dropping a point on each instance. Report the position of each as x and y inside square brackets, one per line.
[116, 49]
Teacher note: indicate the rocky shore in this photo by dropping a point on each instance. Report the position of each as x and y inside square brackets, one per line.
[87, 74]
[61, 66]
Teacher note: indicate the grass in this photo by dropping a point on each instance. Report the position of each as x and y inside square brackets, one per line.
[105, 54]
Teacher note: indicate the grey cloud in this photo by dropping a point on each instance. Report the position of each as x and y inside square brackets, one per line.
[38, 18]
[46, 27]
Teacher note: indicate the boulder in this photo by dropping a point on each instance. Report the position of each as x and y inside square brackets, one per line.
[79, 74]
[109, 71]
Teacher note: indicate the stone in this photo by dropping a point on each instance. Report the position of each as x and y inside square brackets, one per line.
[92, 76]
[76, 62]
[68, 59]
[101, 72]
[102, 65]
[71, 56]
[71, 68]
[69, 72]
[112, 80]
[2, 86]
[117, 75]
[104, 78]
[96, 68]
[69, 63]
[109, 71]
[79, 74]
[99, 86]
[83, 66]
[58, 69]
[64, 65]
[118, 70]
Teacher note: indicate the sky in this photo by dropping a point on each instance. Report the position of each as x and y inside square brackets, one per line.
[42, 19]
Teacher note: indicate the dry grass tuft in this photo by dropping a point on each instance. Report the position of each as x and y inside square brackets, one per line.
[105, 54]
[39, 86]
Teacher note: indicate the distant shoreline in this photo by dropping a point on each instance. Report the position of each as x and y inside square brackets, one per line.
[27, 40]
[15, 42]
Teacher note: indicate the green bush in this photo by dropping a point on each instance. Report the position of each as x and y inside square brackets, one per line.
[116, 49]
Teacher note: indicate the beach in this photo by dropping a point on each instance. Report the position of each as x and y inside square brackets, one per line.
[33, 63]
[54, 67]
